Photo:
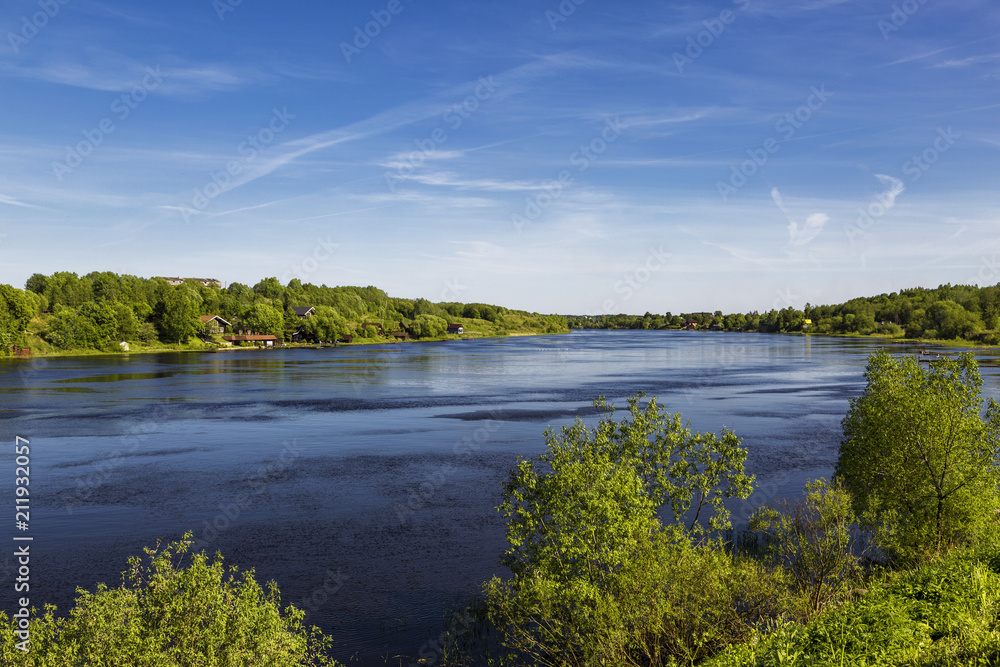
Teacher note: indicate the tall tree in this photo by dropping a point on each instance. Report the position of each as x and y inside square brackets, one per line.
[16, 311]
[263, 319]
[178, 317]
[918, 456]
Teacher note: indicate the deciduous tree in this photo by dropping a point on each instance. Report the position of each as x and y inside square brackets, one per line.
[918, 455]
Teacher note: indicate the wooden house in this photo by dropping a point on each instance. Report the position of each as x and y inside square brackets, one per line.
[223, 325]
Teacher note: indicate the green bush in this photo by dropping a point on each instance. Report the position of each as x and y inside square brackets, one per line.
[597, 579]
[815, 541]
[162, 615]
[942, 613]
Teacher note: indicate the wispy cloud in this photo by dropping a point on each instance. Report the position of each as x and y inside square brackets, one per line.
[5, 199]
[451, 179]
[893, 188]
[966, 62]
[800, 236]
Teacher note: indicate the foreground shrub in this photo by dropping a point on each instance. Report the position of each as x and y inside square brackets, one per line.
[672, 601]
[815, 541]
[945, 612]
[163, 615]
[597, 579]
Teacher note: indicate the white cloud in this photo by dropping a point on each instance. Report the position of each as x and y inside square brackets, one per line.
[800, 236]
[894, 187]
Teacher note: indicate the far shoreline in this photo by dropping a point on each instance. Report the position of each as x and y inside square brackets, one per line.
[953, 343]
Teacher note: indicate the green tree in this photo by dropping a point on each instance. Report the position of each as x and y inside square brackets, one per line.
[598, 580]
[178, 318]
[263, 319]
[203, 614]
[16, 311]
[919, 457]
[429, 326]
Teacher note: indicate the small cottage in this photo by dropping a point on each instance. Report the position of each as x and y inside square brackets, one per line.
[213, 324]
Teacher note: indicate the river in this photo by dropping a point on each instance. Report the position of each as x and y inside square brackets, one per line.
[363, 479]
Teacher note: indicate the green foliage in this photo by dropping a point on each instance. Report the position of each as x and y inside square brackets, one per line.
[16, 311]
[429, 326]
[178, 315]
[263, 318]
[597, 579]
[918, 457]
[174, 310]
[326, 324]
[202, 615]
[946, 612]
[946, 312]
[670, 601]
[813, 541]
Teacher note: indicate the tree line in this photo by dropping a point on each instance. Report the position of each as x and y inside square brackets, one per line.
[946, 312]
[99, 310]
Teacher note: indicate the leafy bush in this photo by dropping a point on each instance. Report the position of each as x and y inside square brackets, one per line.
[814, 540]
[429, 326]
[165, 615]
[597, 579]
[943, 613]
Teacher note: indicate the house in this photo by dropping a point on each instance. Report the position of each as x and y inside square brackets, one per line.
[378, 327]
[806, 323]
[690, 325]
[207, 282]
[455, 329]
[219, 322]
[401, 335]
[260, 340]
[346, 338]
[303, 311]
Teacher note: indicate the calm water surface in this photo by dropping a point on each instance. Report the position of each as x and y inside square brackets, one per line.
[363, 480]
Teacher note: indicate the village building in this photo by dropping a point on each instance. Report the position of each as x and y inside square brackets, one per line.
[209, 322]
[207, 282]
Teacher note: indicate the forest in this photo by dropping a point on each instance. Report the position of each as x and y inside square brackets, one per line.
[100, 310]
[947, 312]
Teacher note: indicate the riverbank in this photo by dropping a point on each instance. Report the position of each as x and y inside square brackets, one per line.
[42, 350]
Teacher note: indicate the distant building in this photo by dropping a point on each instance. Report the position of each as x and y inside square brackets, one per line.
[222, 324]
[455, 329]
[207, 282]
[303, 311]
[260, 340]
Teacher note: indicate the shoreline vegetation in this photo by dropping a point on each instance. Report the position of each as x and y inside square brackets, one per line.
[958, 315]
[105, 313]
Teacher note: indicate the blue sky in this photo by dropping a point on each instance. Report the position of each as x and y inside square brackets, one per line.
[574, 157]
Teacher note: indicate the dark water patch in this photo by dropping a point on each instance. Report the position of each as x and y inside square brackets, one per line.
[521, 415]
[53, 390]
[126, 455]
[119, 377]
[764, 414]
